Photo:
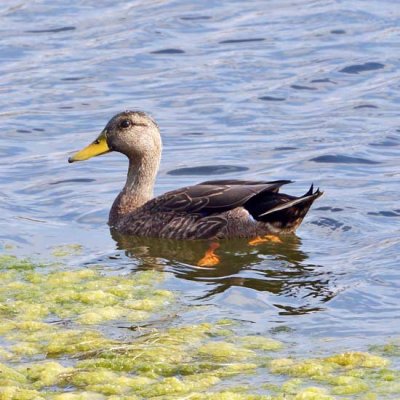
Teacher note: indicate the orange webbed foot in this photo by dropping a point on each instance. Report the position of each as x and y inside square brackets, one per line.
[265, 239]
[210, 259]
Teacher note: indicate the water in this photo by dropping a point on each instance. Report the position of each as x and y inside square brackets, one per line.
[296, 90]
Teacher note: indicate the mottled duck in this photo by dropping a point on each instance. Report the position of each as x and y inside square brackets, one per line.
[213, 210]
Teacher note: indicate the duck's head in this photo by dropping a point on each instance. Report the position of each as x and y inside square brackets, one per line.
[132, 133]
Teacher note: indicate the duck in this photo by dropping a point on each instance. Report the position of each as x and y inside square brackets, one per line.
[212, 210]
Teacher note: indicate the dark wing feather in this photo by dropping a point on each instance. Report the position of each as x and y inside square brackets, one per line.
[215, 196]
[245, 183]
[281, 209]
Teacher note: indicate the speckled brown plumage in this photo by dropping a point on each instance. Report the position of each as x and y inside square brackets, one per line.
[210, 210]
[217, 210]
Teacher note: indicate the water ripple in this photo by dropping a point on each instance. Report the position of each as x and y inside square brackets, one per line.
[306, 91]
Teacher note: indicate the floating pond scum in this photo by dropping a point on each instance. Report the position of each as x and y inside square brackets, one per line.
[82, 334]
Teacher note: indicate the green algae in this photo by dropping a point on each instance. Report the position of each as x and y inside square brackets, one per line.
[85, 395]
[67, 250]
[58, 341]
[223, 351]
[178, 386]
[83, 295]
[291, 386]
[17, 393]
[227, 395]
[11, 374]
[389, 349]
[311, 368]
[8, 262]
[358, 359]
[350, 373]
[260, 343]
[313, 393]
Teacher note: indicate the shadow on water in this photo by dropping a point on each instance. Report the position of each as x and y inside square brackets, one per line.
[279, 269]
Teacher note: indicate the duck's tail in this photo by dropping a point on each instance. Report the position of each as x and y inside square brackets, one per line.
[308, 197]
[290, 212]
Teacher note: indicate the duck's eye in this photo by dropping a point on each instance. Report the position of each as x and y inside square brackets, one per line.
[125, 123]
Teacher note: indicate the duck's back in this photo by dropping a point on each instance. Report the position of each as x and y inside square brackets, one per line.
[219, 209]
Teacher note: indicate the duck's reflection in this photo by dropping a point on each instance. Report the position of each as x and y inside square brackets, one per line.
[278, 268]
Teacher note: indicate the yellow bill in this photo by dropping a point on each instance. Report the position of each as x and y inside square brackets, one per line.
[98, 147]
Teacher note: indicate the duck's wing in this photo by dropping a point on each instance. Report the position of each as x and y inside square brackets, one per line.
[213, 197]
[198, 211]
[275, 185]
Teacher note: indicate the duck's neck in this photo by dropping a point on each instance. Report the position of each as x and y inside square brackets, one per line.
[138, 188]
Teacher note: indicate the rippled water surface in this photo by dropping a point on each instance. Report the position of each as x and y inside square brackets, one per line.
[301, 90]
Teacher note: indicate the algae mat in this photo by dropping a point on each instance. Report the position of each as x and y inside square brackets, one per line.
[83, 334]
